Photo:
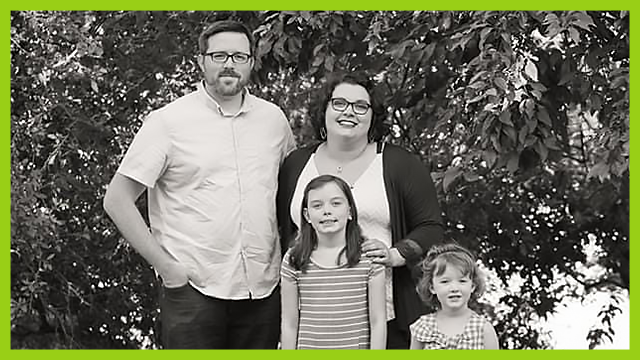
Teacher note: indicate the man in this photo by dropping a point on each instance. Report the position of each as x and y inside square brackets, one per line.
[210, 161]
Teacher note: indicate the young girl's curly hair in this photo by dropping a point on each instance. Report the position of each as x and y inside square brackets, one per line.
[436, 262]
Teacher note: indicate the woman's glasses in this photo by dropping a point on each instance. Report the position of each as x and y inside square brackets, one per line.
[341, 104]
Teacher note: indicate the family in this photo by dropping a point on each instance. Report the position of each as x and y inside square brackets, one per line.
[262, 245]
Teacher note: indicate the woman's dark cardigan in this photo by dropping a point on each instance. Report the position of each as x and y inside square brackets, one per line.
[416, 222]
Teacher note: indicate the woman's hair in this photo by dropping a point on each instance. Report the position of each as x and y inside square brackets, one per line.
[318, 106]
[436, 262]
[307, 239]
[224, 26]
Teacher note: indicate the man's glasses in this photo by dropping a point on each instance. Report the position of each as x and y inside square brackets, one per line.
[221, 57]
[341, 104]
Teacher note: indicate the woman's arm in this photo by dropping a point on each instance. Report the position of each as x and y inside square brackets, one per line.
[290, 314]
[379, 253]
[288, 176]
[415, 187]
[490, 337]
[410, 184]
[378, 310]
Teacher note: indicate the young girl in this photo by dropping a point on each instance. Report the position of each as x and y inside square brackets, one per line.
[450, 278]
[332, 296]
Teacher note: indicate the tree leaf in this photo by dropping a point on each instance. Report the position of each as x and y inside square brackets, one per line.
[328, 63]
[512, 162]
[531, 70]
[543, 116]
[486, 124]
[566, 74]
[471, 176]
[551, 143]
[599, 170]
[575, 35]
[449, 176]
[582, 20]
[505, 118]
[500, 83]
[94, 86]
[490, 157]
[522, 134]
[306, 15]
[318, 60]
[528, 106]
[532, 123]
[398, 51]
[483, 36]
[542, 150]
[511, 133]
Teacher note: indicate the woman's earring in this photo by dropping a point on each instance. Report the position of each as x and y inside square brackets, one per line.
[323, 134]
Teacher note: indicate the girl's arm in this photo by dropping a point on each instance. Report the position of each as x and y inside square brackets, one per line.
[290, 314]
[416, 344]
[378, 310]
[490, 337]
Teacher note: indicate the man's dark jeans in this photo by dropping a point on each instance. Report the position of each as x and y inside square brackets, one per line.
[191, 320]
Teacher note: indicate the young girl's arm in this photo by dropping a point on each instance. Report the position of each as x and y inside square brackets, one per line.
[490, 337]
[378, 310]
[416, 344]
[290, 314]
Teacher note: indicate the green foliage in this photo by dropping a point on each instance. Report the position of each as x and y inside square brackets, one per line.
[522, 116]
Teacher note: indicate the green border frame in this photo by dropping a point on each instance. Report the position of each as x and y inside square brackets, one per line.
[283, 5]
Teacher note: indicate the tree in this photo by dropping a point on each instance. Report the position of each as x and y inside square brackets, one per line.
[522, 116]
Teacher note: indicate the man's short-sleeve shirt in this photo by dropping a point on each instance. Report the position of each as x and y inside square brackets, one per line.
[212, 182]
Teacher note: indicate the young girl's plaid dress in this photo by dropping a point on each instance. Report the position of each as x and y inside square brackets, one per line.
[425, 330]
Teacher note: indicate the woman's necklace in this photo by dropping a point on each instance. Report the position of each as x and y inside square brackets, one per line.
[340, 167]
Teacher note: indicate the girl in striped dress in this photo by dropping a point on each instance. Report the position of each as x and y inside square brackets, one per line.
[450, 278]
[332, 296]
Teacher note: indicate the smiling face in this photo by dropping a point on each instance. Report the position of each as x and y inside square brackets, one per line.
[327, 209]
[347, 123]
[228, 78]
[452, 287]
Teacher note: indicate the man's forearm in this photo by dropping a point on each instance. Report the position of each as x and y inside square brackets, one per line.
[119, 203]
[131, 225]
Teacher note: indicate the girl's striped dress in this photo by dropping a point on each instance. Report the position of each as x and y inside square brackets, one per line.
[333, 304]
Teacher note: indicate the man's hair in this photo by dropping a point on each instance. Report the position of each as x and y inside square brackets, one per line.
[224, 26]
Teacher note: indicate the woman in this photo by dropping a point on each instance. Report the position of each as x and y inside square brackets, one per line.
[394, 192]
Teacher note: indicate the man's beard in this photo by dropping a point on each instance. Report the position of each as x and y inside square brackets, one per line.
[232, 89]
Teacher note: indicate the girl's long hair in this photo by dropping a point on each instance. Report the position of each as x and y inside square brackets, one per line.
[436, 262]
[307, 239]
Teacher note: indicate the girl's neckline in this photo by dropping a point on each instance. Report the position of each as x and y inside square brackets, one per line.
[467, 323]
[323, 266]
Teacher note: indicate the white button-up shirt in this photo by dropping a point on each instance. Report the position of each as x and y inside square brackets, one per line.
[212, 183]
